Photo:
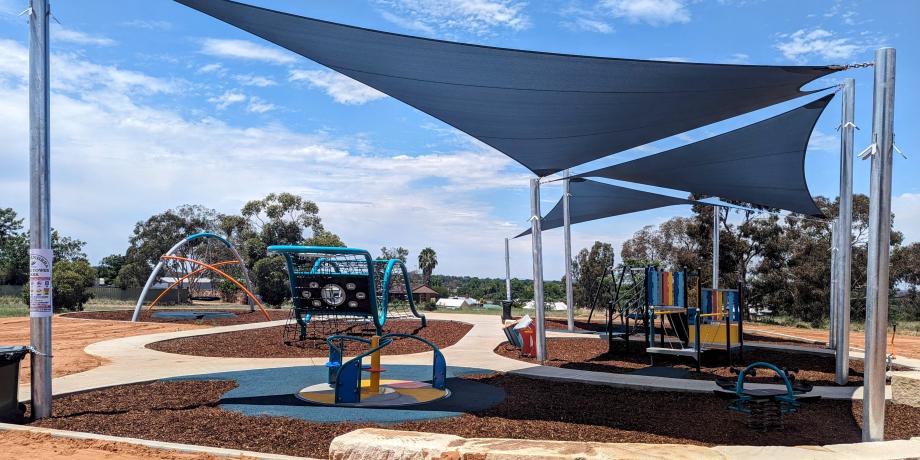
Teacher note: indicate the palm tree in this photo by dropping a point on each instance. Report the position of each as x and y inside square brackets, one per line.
[427, 261]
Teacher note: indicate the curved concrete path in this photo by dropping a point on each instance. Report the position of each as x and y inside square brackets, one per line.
[131, 362]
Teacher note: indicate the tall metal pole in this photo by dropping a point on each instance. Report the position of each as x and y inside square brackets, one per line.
[715, 247]
[879, 249]
[40, 254]
[537, 243]
[834, 301]
[844, 232]
[507, 272]
[567, 223]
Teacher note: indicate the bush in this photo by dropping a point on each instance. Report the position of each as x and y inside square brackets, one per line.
[271, 280]
[229, 291]
[69, 280]
[429, 306]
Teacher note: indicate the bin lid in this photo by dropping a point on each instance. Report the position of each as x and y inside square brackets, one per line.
[13, 352]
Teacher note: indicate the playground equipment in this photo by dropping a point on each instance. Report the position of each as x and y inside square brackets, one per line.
[345, 387]
[335, 289]
[765, 407]
[656, 304]
[190, 259]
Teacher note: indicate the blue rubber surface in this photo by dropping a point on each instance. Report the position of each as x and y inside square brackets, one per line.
[192, 314]
[271, 392]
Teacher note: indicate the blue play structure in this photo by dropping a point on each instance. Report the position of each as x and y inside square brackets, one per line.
[335, 286]
[345, 377]
[765, 407]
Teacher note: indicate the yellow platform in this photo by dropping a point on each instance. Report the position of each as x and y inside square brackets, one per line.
[391, 393]
[715, 334]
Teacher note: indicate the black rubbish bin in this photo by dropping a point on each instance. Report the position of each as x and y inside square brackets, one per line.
[506, 309]
[11, 410]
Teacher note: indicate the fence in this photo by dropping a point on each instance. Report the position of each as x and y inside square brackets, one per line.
[179, 296]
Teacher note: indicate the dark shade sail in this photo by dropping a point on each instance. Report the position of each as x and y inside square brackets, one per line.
[591, 200]
[762, 163]
[546, 111]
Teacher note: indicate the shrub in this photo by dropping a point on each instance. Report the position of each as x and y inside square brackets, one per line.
[271, 280]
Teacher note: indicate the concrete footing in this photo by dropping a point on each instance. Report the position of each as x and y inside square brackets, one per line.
[376, 443]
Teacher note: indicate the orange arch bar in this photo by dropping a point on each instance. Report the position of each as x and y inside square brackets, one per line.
[228, 277]
[180, 280]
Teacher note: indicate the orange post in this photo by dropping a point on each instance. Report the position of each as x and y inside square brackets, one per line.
[228, 277]
[375, 366]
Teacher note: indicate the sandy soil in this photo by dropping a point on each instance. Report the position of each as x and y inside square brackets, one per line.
[904, 345]
[71, 336]
[23, 445]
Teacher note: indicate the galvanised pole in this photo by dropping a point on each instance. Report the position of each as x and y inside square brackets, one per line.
[567, 223]
[537, 246]
[507, 272]
[715, 247]
[844, 232]
[879, 246]
[834, 301]
[40, 208]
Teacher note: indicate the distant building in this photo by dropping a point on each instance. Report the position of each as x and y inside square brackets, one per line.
[421, 293]
[458, 302]
[552, 306]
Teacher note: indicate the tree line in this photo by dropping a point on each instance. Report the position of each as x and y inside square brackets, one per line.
[783, 262]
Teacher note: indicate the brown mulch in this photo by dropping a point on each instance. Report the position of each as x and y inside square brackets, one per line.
[580, 325]
[242, 316]
[591, 355]
[533, 409]
[268, 342]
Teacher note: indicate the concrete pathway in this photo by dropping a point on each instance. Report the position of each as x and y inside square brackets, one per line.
[129, 361]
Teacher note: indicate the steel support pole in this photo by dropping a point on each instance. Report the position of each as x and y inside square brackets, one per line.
[40, 197]
[537, 243]
[844, 232]
[507, 272]
[832, 325]
[567, 224]
[715, 247]
[879, 246]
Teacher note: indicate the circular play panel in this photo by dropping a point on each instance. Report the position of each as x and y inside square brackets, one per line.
[388, 393]
[192, 315]
[278, 392]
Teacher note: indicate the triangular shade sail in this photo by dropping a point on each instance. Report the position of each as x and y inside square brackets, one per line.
[762, 163]
[591, 200]
[547, 111]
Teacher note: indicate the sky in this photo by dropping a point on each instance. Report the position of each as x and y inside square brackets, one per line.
[155, 105]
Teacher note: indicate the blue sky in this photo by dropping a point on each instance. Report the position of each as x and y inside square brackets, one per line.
[155, 105]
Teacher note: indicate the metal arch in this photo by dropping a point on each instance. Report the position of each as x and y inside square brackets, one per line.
[385, 293]
[221, 273]
[159, 266]
[183, 278]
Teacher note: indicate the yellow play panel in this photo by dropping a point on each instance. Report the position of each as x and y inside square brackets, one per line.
[391, 393]
[715, 334]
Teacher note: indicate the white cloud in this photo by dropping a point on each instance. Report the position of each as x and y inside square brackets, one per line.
[480, 17]
[589, 25]
[671, 59]
[255, 80]
[738, 58]
[120, 159]
[227, 99]
[341, 88]
[242, 49]
[654, 12]
[823, 142]
[214, 68]
[148, 24]
[803, 44]
[906, 209]
[62, 34]
[258, 105]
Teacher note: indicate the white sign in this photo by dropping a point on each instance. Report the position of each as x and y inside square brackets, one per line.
[40, 262]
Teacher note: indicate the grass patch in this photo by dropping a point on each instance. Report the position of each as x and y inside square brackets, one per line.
[13, 306]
